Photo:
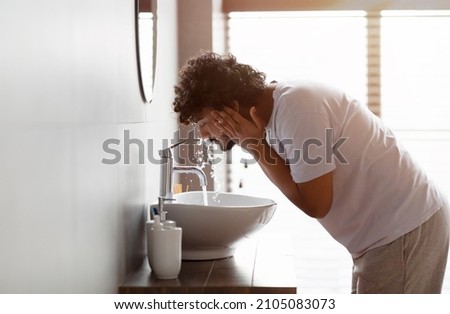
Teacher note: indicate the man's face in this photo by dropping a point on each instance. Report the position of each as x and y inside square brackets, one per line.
[209, 131]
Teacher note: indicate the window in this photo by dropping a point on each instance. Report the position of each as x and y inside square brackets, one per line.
[327, 46]
[415, 85]
[415, 50]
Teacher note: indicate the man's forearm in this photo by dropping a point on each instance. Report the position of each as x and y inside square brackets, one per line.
[276, 170]
[314, 197]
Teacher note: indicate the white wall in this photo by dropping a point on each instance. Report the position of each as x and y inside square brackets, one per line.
[68, 81]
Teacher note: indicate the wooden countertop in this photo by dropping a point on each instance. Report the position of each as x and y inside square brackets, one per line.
[261, 265]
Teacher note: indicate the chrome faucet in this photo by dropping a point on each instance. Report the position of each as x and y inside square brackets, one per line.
[168, 169]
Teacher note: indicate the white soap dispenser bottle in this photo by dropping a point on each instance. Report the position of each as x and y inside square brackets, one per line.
[164, 249]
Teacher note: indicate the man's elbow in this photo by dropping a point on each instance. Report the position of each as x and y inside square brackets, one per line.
[321, 212]
[315, 197]
[317, 211]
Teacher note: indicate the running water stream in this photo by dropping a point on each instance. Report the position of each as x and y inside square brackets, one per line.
[209, 156]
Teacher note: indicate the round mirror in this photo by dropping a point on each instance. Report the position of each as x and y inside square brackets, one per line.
[146, 46]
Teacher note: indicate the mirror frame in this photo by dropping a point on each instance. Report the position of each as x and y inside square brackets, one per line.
[148, 6]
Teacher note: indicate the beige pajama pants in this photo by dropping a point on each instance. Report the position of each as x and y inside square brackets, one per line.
[414, 263]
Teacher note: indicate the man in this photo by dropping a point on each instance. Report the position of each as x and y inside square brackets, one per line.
[335, 161]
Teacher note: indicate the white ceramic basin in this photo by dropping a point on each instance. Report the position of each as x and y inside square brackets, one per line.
[214, 231]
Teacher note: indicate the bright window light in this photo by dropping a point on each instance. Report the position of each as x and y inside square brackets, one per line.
[415, 55]
[328, 46]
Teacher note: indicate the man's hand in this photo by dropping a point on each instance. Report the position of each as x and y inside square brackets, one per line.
[232, 124]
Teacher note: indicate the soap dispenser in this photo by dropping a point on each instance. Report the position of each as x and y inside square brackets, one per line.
[163, 248]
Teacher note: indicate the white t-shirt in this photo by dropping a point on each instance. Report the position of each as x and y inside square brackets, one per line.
[379, 193]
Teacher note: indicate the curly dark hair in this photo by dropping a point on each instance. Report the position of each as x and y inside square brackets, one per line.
[214, 81]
